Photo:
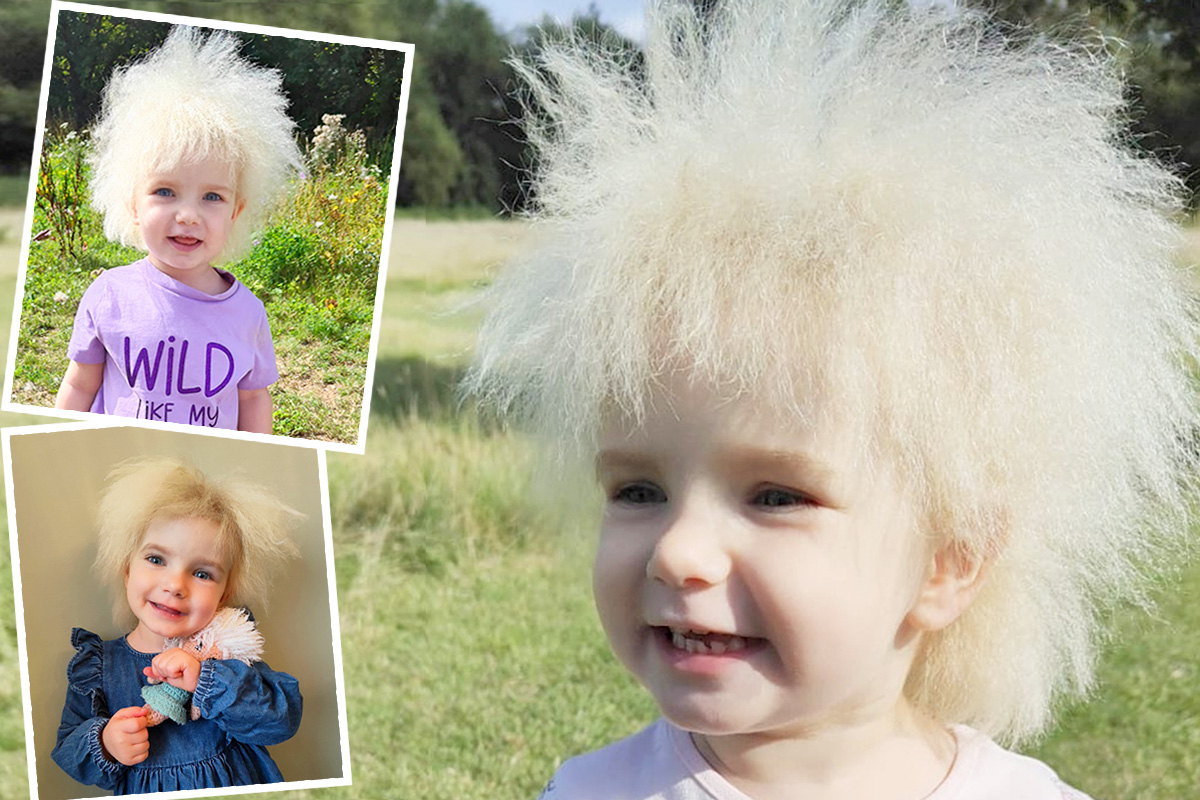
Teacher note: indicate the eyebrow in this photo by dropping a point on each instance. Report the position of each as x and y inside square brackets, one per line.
[167, 180]
[615, 458]
[810, 465]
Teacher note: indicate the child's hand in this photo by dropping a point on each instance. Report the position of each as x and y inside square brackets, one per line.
[125, 738]
[177, 667]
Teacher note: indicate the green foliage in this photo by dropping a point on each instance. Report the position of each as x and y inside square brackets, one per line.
[22, 42]
[62, 189]
[1158, 45]
[436, 512]
[365, 82]
[87, 48]
[363, 85]
[315, 267]
[1140, 737]
[282, 257]
[346, 323]
[464, 63]
[326, 237]
[433, 160]
[461, 146]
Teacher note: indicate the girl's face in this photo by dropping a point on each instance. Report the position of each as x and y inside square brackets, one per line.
[753, 578]
[176, 581]
[185, 215]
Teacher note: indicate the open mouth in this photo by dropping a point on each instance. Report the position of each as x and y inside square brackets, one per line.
[166, 610]
[708, 643]
[187, 242]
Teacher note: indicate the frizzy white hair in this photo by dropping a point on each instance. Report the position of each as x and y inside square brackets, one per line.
[253, 526]
[192, 98]
[934, 220]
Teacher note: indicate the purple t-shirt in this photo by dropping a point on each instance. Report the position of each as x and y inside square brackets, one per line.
[170, 352]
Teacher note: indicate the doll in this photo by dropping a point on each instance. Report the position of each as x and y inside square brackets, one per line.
[232, 634]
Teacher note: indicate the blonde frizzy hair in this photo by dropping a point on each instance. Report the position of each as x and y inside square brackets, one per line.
[253, 525]
[192, 98]
[936, 222]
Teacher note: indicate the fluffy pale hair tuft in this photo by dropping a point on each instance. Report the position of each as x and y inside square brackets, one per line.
[938, 222]
[192, 98]
[254, 526]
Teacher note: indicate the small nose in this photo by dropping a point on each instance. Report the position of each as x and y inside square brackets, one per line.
[692, 551]
[173, 583]
[185, 213]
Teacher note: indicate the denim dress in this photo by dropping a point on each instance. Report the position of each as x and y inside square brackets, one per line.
[242, 707]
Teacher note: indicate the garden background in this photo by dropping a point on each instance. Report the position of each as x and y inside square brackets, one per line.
[473, 659]
[315, 261]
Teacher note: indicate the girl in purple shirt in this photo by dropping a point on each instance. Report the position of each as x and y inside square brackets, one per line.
[189, 146]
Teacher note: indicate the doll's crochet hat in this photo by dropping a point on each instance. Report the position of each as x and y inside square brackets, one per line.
[168, 700]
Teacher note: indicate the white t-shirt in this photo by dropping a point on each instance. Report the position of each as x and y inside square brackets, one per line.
[662, 763]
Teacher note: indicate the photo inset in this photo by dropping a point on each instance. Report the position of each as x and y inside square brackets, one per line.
[176, 612]
[205, 242]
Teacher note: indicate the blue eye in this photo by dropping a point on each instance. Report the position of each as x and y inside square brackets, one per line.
[156, 560]
[203, 575]
[164, 192]
[638, 494]
[775, 497]
[213, 197]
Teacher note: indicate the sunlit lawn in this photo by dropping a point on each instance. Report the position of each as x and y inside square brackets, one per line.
[473, 659]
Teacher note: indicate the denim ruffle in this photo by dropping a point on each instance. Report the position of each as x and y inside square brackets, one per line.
[244, 708]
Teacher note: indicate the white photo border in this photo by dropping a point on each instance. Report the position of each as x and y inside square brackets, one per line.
[98, 424]
[59, 6]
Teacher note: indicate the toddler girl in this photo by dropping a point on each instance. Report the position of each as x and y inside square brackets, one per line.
[190, 144]
[868, 322]
[179, 546]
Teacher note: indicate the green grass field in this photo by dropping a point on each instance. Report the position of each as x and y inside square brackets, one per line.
[473, 659]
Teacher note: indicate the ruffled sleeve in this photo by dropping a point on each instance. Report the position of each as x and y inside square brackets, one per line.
[253, 703]
[85, 713]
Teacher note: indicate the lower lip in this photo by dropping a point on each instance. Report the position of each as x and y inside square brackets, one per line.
[703, 663]
[186, 247]
[166, 612]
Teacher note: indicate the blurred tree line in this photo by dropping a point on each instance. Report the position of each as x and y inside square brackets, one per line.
[361, 83]
[461, 146]
[1158, 45]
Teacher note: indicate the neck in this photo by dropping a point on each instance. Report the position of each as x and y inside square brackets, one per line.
[206, 280]
[900, 755]
[145, 641]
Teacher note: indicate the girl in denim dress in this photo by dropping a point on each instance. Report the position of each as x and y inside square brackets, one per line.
[181, 546]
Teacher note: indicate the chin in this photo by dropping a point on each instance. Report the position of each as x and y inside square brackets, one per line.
[709, 717]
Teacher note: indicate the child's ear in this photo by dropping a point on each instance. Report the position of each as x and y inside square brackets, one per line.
[954, 575]
[237, 212]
